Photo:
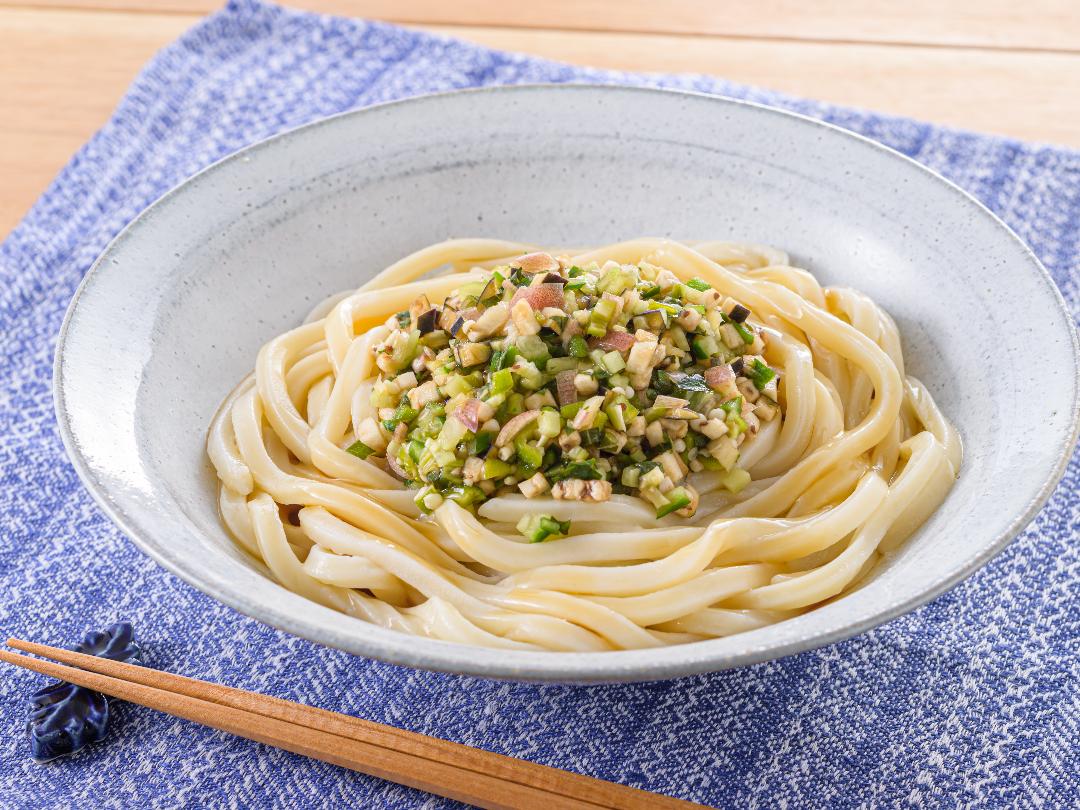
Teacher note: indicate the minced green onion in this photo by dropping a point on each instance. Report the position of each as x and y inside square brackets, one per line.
[481, 442]
[503, 358]
[585, 470]
[692, 382]
[359, 449]
[651, 291]
[760, 374]
[744, 333]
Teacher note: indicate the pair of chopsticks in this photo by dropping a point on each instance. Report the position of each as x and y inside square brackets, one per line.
[437, 766]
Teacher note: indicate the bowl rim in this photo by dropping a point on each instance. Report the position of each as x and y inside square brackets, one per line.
[594, 667]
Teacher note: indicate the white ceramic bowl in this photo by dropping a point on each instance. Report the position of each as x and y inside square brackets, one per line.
[172, 315]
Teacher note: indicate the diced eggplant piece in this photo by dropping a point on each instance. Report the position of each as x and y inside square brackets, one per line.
[739, 313]
[427, 320]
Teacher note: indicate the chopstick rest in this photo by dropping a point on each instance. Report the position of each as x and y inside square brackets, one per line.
[64, 717]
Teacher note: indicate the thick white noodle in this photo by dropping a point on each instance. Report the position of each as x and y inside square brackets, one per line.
[859, 459]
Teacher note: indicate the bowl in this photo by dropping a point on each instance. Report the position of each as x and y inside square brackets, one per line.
[171, 316]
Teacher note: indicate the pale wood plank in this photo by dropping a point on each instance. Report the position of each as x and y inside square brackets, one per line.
[1021, 94]
[64, 72]
[1036, 24]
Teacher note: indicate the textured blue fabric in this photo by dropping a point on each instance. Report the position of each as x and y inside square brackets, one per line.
[971, 701]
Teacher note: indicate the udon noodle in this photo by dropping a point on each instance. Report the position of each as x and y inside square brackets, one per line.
[846, 457]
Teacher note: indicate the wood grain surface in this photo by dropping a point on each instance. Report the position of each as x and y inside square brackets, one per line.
[993, 65]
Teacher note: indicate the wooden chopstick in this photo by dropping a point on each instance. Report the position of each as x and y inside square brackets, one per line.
[461, 756]
[428, 763]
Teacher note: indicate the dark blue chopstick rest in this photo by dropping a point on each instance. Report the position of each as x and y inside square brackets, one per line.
[63, 717]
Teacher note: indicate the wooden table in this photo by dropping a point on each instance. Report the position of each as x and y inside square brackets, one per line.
[993, 65]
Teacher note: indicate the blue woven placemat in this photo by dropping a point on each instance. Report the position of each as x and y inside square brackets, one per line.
[970, 701]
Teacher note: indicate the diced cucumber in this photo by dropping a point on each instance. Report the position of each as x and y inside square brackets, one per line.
[529, 456]
[515, 404]
[736, 426]
[466, 496]
[530, 376]
[406, 351]
[456, 384]
[452, 433]
[558, 364]
[704, 347]
[502, 381]
[496, 468]
[570, 410]
[616, 413]
[537, 528]
[532, 347]
[600, 317]
[549, 424]
[678, 498]
[736, 480]
[613, 362]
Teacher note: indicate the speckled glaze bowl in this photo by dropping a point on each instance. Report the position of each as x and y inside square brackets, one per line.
[172, 315]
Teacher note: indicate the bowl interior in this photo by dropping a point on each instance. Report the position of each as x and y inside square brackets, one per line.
[172, 316]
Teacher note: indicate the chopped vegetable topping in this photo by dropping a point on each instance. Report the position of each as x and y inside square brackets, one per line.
[546, 378]
[359, 449]
[760, 374]
[538, 528]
